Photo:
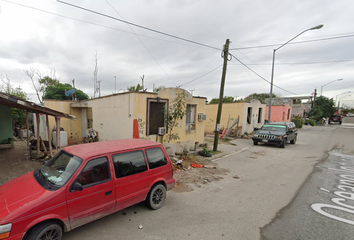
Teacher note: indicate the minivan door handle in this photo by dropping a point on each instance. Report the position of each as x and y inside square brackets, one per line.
[108, 193]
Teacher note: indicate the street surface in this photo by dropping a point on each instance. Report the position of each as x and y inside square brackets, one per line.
[267, 194]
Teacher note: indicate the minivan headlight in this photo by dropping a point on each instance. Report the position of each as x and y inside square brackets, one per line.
[5, 230]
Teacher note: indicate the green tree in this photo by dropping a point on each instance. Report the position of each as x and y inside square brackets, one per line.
[173, 115]
[57, 92]
[135, 88]
[323, 107]
[259, 96]
[159, 88]
[225, 100]
[18, 115]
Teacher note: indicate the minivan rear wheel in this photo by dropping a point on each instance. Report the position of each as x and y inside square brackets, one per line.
[156, 197]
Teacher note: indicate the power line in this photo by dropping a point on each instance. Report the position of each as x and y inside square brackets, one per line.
[143, 44]
[91, 23]
[200, 76]
[260, 75]
[304, 41]
[303, 63]
[139, 26]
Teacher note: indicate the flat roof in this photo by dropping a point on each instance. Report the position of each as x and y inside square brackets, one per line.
[87, 150]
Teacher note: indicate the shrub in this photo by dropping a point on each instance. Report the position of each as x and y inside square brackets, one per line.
[310, 121]
[299, 121]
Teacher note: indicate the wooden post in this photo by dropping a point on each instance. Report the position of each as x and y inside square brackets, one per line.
[49, 137]
[38, 122]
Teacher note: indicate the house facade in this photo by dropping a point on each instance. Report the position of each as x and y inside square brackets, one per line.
[249, 115]
[131, 114]
[280, 113]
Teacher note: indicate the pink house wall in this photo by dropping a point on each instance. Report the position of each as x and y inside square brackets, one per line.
[280, 113]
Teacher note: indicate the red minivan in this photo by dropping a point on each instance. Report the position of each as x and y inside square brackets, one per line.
[82, 183]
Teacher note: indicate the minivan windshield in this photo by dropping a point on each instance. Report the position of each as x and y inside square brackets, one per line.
[59, 169]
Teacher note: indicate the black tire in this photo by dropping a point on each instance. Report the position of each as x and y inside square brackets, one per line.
[294, 140]
[340, 122]
[282, 144]
[255, 143]
[48, 230]
[156, 197]
[329, 122]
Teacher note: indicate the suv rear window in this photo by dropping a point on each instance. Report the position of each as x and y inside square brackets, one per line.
[156, 157]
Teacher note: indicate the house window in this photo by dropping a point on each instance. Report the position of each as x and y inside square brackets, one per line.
[259, 115]
[190, 117]
[288, 113]
[155, 115]
[249, 115]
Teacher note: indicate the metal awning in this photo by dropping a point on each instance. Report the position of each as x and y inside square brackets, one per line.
[16, 102]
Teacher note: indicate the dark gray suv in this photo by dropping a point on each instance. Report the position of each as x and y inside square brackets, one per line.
[278, 133]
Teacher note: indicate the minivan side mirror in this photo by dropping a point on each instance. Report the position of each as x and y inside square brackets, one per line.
[76, 187]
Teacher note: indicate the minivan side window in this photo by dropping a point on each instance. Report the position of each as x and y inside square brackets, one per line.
[156, 157]
[96, 170]
[130, 163]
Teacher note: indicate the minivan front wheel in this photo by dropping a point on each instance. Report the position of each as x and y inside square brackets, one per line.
[48, 230]
[156, 197]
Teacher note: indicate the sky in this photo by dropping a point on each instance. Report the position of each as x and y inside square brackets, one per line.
[179, 44]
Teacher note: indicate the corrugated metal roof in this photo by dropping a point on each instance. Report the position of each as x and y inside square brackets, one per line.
[16, 102]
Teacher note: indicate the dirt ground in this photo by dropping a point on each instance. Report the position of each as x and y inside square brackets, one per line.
[17, 161]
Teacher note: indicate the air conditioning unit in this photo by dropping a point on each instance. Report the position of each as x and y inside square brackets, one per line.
[162, 131]
[201, 117]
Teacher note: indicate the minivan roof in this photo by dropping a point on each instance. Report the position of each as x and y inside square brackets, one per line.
[87, 150]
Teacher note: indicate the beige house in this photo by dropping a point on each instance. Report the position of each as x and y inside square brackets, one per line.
[249, 115]
[131, 114]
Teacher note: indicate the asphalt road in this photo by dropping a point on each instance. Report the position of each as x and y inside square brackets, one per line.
[271, 186]
[324, 207]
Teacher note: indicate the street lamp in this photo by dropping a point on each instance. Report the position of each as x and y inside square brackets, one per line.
[330, 83]
[271, 82]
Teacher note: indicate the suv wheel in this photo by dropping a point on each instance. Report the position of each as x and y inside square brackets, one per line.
[156, 197]
[255, 143]
[282, 144]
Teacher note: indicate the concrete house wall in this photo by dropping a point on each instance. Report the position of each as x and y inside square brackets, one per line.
[114, 116]
[251, 115]
[280, 113]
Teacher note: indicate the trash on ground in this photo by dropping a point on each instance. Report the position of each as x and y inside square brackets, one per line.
[196, 165]
[209, 166]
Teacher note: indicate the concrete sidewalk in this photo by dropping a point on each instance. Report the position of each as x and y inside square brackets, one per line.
[227, 148]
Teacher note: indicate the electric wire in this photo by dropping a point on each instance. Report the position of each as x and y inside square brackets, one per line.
[137, 25]
[95, 24]
[260, 75]
[297, 42]
[199, 76]
[143, 44]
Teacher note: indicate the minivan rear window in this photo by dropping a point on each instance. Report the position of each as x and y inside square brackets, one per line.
[130, 163]
[156, 157]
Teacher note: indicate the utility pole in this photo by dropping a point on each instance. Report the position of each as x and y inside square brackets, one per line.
[115, 84]
[99, 88]
[221, 95]
[314, 98]
[142, 82]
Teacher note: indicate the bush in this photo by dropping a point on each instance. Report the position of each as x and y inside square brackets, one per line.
[311, 122]
[299, 121]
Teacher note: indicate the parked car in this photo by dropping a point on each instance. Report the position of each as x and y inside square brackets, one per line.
[350, 114]
[335, 118]
[83, 183]
[278, 133]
